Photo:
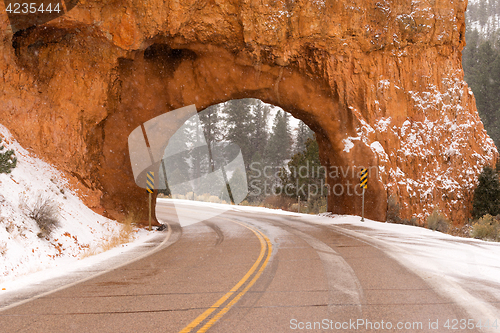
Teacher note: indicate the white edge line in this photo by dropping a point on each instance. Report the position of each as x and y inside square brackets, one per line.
[10, 306]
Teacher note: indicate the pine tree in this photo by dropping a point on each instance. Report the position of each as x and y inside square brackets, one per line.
[483, 12]
[484, 86]
[178, 157]
[303, 133]
[179, 187]
[481, 63]
[278, 147]
[240, 126]
[486, 199]
[211, 122]
[238, 186]
[258, 183]
[469, 55]
[8, 160]
[305, 177]
[260, 136]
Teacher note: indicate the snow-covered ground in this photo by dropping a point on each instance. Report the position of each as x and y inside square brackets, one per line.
[462, 269]
[80, 230]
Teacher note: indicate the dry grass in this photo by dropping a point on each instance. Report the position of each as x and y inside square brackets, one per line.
[295, 207]
[123, 237]
[3, 248]
[278, 202]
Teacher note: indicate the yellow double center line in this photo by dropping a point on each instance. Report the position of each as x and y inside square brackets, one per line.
[217, 305]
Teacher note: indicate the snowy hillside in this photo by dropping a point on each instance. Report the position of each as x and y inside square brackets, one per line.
[23, 246]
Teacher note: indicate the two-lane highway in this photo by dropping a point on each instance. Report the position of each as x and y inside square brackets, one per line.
[241, 272]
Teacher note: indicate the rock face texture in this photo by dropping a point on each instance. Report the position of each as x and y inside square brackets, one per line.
[380, 82]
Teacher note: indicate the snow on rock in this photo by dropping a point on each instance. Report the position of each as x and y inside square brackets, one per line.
[349, 144]
[22, 251]
[378, 149]
[434, 160]
[450, 142]
[382, 124]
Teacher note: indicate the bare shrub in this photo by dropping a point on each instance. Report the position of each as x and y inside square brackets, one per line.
[317, 205]
[487, 228]
[10, 227]
[437, 221]
[393, 210]
[412, 221]
[44, 211]
[394, 213]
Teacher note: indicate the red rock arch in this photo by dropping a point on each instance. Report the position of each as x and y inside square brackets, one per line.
[381, 84]
[161, 79]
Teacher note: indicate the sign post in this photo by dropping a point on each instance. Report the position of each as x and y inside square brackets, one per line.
[150, 183]
[363, 183]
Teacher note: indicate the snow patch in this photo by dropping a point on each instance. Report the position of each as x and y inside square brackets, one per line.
[349, 144]
[377, 148]
[382, 124]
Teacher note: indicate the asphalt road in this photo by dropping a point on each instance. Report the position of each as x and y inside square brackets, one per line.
[240, 272]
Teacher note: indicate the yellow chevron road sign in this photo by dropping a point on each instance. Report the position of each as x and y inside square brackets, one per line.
[363, 180]
[150, 181]
[150, 184]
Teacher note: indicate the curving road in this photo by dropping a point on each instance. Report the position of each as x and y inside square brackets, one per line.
[241, 272]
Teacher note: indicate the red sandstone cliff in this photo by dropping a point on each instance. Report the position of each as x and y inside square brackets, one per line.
[380, 82]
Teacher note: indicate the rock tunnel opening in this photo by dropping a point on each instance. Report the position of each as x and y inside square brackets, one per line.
[162, 78]
[270, 158]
